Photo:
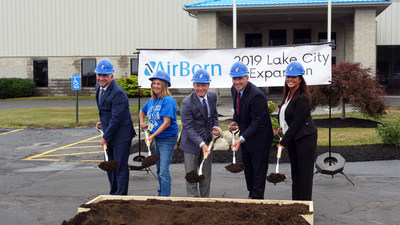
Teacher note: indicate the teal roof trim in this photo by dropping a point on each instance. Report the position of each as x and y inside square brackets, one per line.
[229, 3]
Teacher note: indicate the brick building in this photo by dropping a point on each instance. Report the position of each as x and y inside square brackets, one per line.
[48, 41]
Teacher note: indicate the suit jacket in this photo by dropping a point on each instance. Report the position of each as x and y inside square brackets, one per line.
[298, 118]
[196, 127]
[254, 120]
[115, 117]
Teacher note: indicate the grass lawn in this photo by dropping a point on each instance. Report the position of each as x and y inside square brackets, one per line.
[65, 117]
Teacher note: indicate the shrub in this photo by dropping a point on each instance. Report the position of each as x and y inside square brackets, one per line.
[355, 85]
[16, 88]
[389, 132]
[178, 103]
[130, 86]
[271, 107]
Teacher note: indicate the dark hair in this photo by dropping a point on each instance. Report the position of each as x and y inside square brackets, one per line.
[303, 90]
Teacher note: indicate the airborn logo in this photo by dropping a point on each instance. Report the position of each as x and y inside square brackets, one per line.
[181, 69]
[148, 70]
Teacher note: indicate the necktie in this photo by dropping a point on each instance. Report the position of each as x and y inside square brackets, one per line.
[238, 102]
[101, 95]
[205, 107]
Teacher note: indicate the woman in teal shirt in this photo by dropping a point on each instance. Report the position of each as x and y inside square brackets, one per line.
[161, 117]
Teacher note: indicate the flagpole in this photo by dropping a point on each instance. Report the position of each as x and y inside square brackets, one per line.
[329, 20]
[234, 23]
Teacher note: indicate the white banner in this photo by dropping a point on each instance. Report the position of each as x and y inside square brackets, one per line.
[266, 64]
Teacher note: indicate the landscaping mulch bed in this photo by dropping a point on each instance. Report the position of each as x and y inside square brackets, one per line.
[351, 153]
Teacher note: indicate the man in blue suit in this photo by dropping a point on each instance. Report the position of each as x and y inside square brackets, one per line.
[252, 117]
[116, 123]
[199, 117]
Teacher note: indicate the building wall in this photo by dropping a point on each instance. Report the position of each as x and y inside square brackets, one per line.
[348, 44]
[224, 34]
[207, 25]
[60, 71]
[355, 40]
[66, 31]
[364, 46]
[388, 25]
[93, 27]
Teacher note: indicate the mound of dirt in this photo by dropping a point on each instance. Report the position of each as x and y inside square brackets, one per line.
[168, 212]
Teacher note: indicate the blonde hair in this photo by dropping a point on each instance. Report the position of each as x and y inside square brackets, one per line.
[164, 89]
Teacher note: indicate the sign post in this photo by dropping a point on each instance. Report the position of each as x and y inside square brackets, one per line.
[76, 85]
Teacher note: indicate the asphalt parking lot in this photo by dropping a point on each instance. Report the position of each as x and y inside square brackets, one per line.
[47, 173]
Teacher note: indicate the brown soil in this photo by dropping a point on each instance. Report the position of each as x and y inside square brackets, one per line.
[151, 160]
[275, 178]
[235, 168]
[166, 212]
[193, 177]
[109, 165]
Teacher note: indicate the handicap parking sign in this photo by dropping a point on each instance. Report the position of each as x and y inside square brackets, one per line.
[76, 82]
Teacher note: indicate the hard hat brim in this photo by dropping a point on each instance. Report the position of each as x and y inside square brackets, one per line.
[153, 78]
[292, 75]
[235, 75]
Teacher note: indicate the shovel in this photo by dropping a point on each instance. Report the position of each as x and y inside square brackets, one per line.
[233, 167]
[277, 177]
[150, 159]
[192, 176]
[107, 165]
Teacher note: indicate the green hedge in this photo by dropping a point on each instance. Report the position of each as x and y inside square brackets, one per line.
[389, 132]
[129, 85]
[16, 88]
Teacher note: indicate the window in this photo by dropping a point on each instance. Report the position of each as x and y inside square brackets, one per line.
[322, 37]
[277, 37]
[40, 73]
[134, 66]
[301, 36]
[388, 65]
[253, 40]
[88, 74]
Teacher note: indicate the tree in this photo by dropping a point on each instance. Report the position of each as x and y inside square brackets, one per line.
[355, 85]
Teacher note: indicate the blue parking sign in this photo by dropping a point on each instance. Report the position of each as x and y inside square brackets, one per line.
[76, 82]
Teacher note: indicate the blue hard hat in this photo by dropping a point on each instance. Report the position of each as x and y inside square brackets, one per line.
[239, 69]
[161, 75]
[294, 69]
[104, 67]
[201, 76]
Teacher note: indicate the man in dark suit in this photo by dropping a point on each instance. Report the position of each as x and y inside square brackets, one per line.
[251, 116]
[116, 123]
[199, 117]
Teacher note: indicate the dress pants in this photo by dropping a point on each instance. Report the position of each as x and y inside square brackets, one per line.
[119, 179]
[256, 167]
[192, 162]
[302, 158]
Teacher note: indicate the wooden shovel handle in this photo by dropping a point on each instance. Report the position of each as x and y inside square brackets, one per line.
[206, 155]
[146, 134]
[233, 138]
[209, 150]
